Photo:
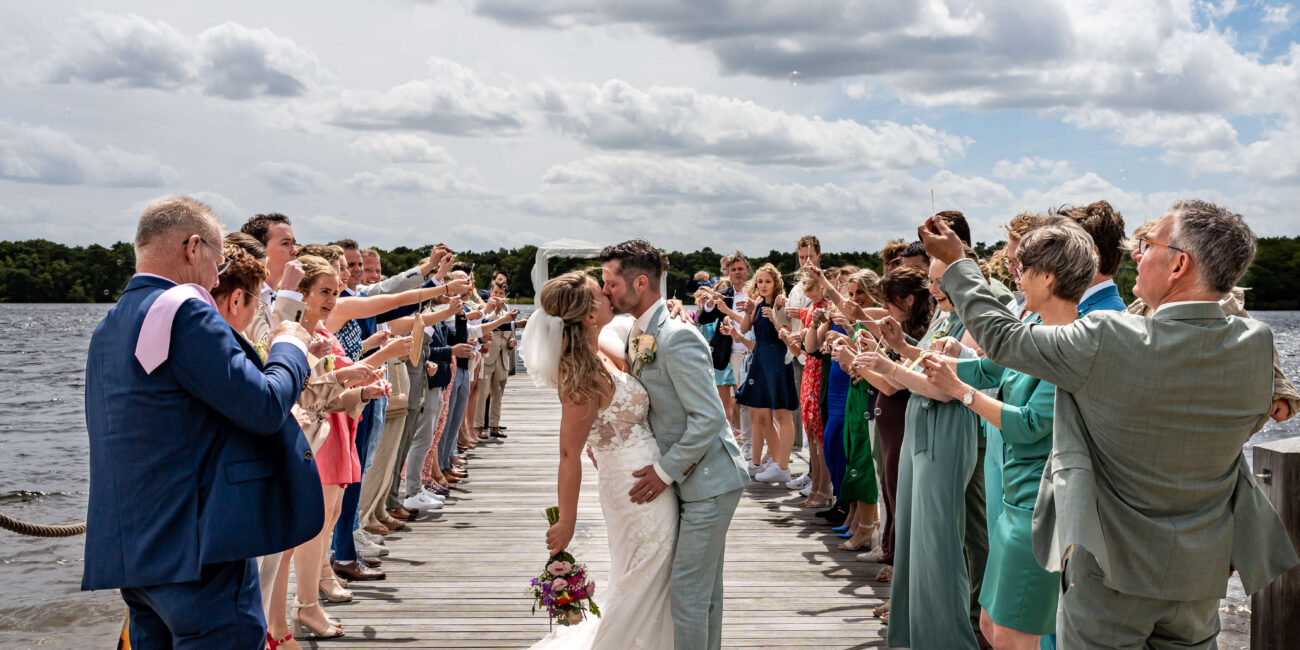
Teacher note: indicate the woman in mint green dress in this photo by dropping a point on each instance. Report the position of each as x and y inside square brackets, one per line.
[930, 603]
[1018, 597]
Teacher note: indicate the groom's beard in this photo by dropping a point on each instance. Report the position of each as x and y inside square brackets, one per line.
[626, 303]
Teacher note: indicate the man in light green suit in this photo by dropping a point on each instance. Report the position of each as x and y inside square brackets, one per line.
[1147, 492]
[700, 458]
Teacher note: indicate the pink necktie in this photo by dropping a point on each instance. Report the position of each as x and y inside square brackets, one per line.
[156, 332]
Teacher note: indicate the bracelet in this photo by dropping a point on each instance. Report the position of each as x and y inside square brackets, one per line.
[895, 371]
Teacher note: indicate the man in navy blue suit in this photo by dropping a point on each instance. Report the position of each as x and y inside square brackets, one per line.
[196, 465]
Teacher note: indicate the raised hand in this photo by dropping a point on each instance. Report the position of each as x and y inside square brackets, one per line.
[320, 346]
[940, 241]
[892, 332]
[457, 287]
[290, 328]
[292, 276]
[941, 375]
[779, 303]
[947, 346]
[376, 340]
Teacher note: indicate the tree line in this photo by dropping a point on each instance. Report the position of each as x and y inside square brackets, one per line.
[38, 270]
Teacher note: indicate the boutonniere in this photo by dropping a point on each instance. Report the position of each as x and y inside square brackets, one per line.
[261, 350]
[329, 362]
[645, 348]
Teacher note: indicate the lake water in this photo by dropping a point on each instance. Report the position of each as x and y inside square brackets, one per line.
[43, 471]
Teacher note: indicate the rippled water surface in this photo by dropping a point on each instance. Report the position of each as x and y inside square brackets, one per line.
[43, 470]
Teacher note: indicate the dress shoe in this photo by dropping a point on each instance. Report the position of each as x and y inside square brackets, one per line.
[357, 571]
[496, 433]
[400, 514]
[376, 528]
[388, 522]
[370, 562]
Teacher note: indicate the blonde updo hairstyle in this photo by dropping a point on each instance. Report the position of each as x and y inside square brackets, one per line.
[769, 269]
[313, 267]
[569, 297]
[869, 283]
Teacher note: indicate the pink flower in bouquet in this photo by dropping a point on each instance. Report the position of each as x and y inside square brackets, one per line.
[574, 617]
[559, 585]
[559, 568]
[590, 588]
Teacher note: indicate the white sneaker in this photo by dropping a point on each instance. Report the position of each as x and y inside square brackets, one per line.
[800, 483]
[755, 469]
[418, 501]
[773, 474]
[807, 490]
[369, 549]
[362, 538]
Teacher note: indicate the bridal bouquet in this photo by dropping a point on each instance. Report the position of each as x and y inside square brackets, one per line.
[563, 588]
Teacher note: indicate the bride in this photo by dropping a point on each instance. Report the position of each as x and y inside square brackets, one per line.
[604, 408]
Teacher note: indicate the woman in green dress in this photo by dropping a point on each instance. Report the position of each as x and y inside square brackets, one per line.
[1019, 597]
[930, 603]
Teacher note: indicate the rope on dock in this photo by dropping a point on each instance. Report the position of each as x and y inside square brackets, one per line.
[40, 530]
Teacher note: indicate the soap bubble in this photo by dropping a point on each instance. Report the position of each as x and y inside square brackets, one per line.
[67, 110]
[106, 292]
[1123, 174]
[794, 78]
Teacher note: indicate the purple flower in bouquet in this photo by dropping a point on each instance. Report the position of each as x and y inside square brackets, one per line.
[559, 584]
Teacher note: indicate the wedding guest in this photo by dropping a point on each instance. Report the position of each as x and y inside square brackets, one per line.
[715, 331]
[914, 256]
[906, 297]
[858, 487]
[498, 359]
[889, 255]
[768, 390]
[280, 298]
[804, 344]
[809, 251]
[1056, 264]
[187, 416]
[1106, 228]
[442, 357]
[1154, 573]
[930, 603]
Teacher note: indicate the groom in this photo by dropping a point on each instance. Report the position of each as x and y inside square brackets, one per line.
[700, 458]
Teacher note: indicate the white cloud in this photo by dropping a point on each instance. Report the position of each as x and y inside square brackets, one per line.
[1035, 168]
[452, 100]
[224, 207]
[1278, 14]
[39, 154]
[683, 121]
[228, 60]
[1201, 144]
[401, 148]
[290, 178]
[404, 183]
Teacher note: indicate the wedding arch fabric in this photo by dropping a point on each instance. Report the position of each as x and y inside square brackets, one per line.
[569, 248]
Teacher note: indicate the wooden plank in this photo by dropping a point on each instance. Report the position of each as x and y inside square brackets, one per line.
[457, 576]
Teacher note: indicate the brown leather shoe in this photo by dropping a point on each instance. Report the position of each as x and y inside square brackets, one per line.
[356, 571]
[390, 523]
[376, 528]
[371, 562]
[400, 514]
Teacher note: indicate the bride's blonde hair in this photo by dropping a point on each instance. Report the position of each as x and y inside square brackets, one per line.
[570, 298]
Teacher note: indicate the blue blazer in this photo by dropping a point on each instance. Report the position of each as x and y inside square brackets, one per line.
[440, 353]
[1106, 299]
[197, 463]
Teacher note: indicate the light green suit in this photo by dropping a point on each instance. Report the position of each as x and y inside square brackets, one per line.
[702, 458]
[1146, 473]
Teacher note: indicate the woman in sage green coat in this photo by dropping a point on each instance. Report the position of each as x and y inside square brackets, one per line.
[1018, 596]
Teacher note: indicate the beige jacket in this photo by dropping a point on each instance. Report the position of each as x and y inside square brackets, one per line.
[321, 396]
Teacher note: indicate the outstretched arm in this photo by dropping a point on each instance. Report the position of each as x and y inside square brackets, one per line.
[575, 424]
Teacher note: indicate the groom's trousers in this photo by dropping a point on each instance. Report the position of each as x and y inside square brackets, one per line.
[696, 583]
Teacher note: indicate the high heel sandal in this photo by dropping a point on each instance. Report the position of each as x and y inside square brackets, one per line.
[298, 625]
[340, 596]
[272, 644]
[817, 500]
[850, 546]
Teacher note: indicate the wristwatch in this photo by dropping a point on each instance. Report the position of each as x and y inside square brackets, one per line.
[969, 397]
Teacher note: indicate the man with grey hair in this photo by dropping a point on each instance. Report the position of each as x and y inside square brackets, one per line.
[1147, 493]
[196, 464]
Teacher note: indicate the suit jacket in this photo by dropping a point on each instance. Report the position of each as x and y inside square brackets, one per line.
[1105, 299]
[404, 281]
[498, 351]
[198, 462]
[720, 344]
[686, 414]
[268, 317]
[439, 352]
[1146, 471]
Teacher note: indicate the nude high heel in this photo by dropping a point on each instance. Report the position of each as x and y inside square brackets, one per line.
[298, 625]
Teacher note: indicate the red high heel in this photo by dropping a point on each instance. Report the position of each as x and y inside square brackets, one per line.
[275, 643]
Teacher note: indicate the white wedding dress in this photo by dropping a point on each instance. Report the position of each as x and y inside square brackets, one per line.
[642, 538]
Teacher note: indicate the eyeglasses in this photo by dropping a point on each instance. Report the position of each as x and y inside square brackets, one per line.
[225, 259]
[1144, 245]
[1018, 270]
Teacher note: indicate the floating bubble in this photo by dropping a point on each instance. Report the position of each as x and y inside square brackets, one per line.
[67, 110]
[1123, 174]
[794, 77]
[119, 262]
[877, 411]
[106, 292]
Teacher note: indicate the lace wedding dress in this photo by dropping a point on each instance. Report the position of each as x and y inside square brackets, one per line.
[634, 601]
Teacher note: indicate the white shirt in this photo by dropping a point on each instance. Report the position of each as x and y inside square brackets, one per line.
[1095, 288]
[638, 328]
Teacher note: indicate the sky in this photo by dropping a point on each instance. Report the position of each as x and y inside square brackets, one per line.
[734, 124]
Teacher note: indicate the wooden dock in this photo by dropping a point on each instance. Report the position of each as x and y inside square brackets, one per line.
[456, 578]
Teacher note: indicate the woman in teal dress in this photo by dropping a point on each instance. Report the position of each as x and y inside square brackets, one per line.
[930, 604]
[1019, 598]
